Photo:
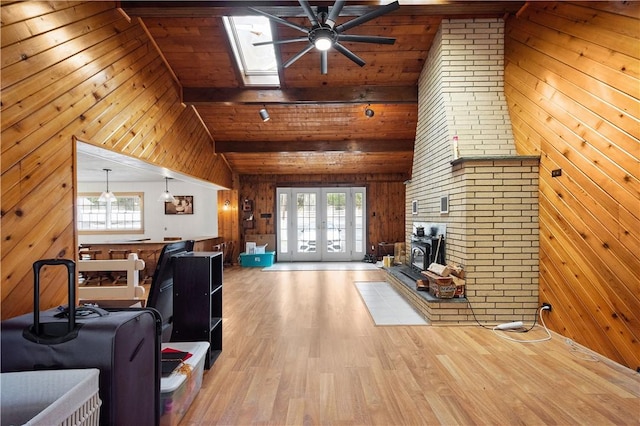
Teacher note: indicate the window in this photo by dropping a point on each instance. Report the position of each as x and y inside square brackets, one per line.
[124, 215]
[257, 64]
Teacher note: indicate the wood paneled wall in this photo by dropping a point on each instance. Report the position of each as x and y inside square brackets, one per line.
[229, 220]
[385, 200]
[72, 69]
[573, 88]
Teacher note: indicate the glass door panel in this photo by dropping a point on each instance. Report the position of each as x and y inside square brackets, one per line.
[334, 224]
[306, 224]
[359, 223]
[283, 223]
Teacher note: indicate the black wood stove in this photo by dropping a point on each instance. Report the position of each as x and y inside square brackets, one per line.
[425, 251]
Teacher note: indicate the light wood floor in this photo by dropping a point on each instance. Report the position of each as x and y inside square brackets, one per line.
[300, 348]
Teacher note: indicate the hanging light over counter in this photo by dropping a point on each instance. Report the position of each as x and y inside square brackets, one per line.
[107, 195]
[166, 195]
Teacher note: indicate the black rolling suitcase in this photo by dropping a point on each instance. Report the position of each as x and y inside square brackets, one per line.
[124, 344]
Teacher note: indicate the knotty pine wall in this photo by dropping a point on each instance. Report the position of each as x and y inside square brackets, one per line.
[229, 220]
[78, 70]
[572, 81]
[385, 198]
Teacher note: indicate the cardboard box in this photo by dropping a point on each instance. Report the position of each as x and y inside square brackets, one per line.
[178, 391]
[399, 253]
[442, 291]
[257, 259]
[440, 287]
[264, 240]
[251, 247]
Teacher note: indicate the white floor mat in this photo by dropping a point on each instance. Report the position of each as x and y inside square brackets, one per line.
[386, 306]
[321, 266]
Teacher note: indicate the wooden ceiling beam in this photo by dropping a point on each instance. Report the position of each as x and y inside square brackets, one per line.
[383, 145]
[315, 96]
[216, 8]
[289, 8]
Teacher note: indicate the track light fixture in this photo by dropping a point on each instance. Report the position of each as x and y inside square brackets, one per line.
[264, 114]
[369, 112]
[166, 196]
[107, 195]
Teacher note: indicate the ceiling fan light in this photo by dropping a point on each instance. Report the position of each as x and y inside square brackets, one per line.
[323, 43]
[264, 114]
[369, 112]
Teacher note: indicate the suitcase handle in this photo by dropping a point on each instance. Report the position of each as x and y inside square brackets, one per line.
[52, 332]
[83, 311]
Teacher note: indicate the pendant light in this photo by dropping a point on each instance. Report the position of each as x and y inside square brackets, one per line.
[264, 114]
[107, 195]
[166, 195]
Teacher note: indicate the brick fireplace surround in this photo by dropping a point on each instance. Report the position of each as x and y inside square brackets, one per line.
[492, 223]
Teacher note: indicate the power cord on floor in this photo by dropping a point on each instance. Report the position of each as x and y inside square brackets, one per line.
[535, 317]
[476, 318]
[502, 335]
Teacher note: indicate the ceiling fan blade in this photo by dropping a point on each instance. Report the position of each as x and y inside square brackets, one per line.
[323, 62]
[334, 13]
[307, 9]
[365, 39]
[293, 40]
[349, 54]
[298, 56]
[279, 20]
[368, 16]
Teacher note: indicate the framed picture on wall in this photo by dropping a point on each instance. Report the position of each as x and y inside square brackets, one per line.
[183, 204]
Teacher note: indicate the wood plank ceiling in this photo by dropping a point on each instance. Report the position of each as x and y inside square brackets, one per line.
[317, 121]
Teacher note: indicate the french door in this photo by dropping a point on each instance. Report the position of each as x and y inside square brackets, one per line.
[321, 224]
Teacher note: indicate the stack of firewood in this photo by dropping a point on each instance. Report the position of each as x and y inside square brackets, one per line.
[443, 281]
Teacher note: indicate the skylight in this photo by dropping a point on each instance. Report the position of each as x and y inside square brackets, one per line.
[257, 64]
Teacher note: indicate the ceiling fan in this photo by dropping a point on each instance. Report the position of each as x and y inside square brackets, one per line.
[324, 34]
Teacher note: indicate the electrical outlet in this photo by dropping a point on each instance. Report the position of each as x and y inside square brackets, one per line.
[547, 306]
[556, 172]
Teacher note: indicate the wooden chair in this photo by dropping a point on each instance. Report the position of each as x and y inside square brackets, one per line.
[90, 278]
[119, 277]
[222, 247]
[228, 256]
[146, 275]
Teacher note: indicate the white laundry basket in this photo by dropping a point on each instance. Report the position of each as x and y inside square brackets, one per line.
[50, 397]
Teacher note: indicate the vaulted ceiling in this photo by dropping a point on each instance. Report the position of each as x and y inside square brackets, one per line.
[317, 121]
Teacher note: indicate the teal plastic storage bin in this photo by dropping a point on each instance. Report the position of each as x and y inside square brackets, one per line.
[257, 259]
